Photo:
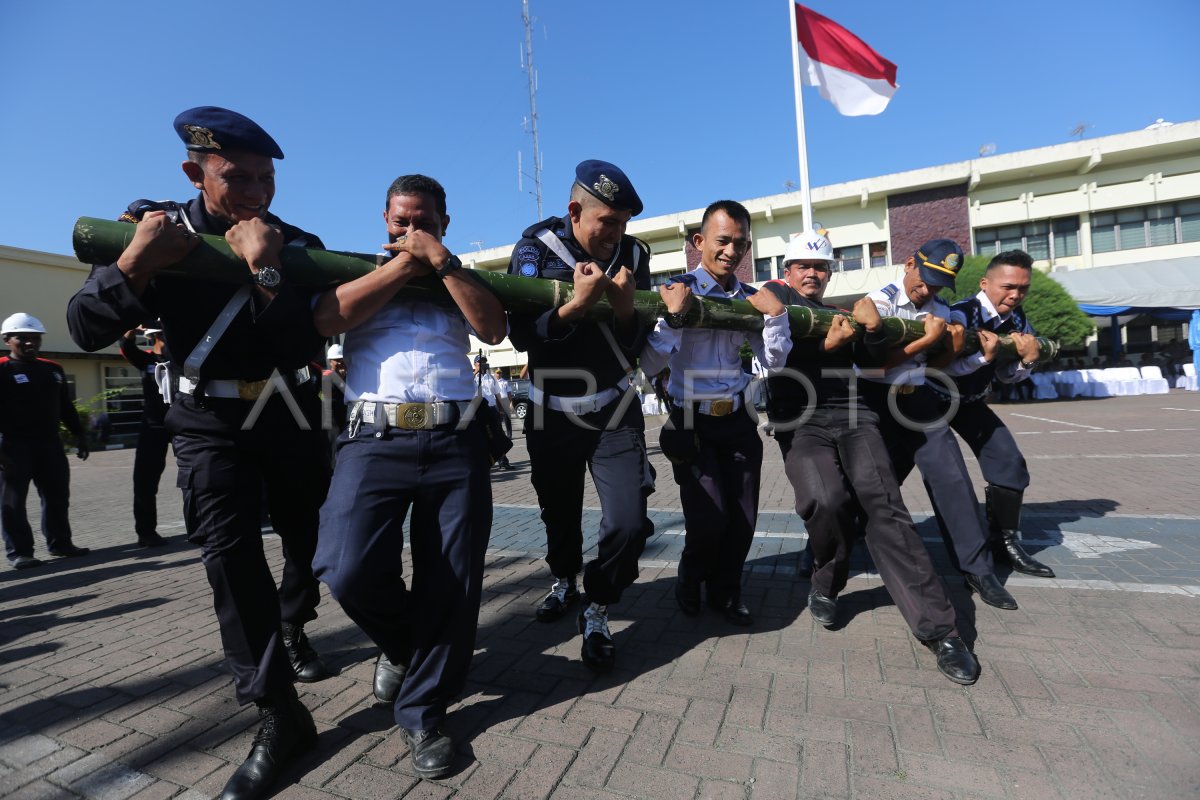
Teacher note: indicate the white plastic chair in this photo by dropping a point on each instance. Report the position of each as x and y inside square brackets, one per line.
[1043, 386]
[1188, 379]
[1153, 382]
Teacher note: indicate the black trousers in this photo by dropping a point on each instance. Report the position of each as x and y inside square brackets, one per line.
[442, 476]
[43, 462]
[718, 490]
[842, 476]
[149, 461]
[993, 444]
[560, 450]
[936, 453]
[222, 472]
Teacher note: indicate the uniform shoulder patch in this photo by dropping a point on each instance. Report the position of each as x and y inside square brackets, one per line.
[528, 269]
[529, 252]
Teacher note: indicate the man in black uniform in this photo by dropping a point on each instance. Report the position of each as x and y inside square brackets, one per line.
[150, 458]
[230, 343]
[994, 311]
[835, 458]
[33, 400]
[583, 415]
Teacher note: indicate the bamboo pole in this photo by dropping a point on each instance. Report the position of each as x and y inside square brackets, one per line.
[100, 241]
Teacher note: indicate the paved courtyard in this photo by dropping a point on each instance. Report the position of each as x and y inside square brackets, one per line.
[112, 684]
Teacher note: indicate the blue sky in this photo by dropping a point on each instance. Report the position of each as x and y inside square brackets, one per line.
[692, 99]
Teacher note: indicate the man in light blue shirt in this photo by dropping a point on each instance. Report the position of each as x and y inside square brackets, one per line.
[711, 437]
[413, 441]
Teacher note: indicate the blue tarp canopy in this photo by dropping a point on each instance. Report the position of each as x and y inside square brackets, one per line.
[1168, 289]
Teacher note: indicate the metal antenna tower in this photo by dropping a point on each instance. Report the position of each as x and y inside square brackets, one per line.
[527, 64]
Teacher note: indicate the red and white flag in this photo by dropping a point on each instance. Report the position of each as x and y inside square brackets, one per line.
[852, 76]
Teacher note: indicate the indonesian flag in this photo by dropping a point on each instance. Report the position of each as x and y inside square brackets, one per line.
[851, 75]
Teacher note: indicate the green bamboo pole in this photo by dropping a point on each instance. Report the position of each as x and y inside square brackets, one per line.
[100, 241]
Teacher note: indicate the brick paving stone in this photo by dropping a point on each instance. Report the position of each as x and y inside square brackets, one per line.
[111, 667]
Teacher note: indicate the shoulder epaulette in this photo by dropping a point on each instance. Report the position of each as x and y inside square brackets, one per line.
[890, 291]
[748, 289]
[937, 299]
[138, 208]
[687, 278]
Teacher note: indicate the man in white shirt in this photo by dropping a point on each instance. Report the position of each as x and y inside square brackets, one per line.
[711, 437]
[412, 441]
[496, 398]
[911, 419]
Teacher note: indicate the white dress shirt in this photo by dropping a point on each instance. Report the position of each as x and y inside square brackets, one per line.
[409, 352]
[894, 302]
[705, 364]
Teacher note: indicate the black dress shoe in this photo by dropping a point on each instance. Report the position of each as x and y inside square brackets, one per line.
[432, 752]
[69, 551]
[306, 664]
[388, 677]
[734, 610]
[1012, 552]
[954, 660]
[598, 652]
[687, 595]
[287, 730]
[26, 562]
[990, 590]
[822, 608]
[563, 595]
[151, 540]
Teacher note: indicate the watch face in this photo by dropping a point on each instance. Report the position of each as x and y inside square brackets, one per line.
[267, 277]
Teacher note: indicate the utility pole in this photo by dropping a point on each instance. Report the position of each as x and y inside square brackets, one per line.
[527, 58]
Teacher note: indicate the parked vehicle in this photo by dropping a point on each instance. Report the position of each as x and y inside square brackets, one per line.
[519, 397]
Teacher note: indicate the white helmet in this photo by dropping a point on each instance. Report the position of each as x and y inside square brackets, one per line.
[335, 351]
[808, 247]
[22, 323]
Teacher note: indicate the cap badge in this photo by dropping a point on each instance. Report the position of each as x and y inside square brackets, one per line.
[952, 261]
[606, 188]
[201, 137]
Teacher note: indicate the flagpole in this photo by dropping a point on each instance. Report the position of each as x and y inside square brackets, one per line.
[805, 194]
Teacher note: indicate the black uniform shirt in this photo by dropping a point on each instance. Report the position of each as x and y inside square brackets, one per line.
[34, 399]
[581, 345]
[975, 385]
[788, 398]
[262, 337]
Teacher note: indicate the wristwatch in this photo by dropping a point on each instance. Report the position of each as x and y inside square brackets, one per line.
[675, 319]
[1028, 364]
[267, 277]
[452, 263]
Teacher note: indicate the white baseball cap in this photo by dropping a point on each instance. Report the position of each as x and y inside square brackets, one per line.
[22, 323]
[335, 351]
[808, 247]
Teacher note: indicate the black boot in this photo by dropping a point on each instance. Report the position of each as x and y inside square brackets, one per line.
[1004, 519]
[287, 730]
[306, 664]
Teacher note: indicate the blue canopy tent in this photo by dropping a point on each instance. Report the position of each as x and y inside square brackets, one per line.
[1167, 289]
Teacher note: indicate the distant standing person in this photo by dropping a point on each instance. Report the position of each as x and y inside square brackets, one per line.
[150, 458]
[33, 401]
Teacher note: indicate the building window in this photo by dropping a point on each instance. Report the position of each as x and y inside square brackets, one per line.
[660, 278]
[879, 256]
[1044, 240]
[1146, 226]
[848, 258]
[764, 269]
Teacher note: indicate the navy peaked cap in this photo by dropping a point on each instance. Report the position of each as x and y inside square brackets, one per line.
[211, 129]
[939, 261]
[609, 185]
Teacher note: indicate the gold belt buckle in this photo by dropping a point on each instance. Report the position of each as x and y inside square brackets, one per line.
[412, 416]
[720, 408]
[905, 388]
[250, 390]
